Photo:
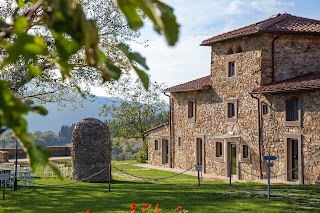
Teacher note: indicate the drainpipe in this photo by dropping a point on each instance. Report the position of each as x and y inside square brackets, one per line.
[170, 129]
[272, 57]
[259, 134]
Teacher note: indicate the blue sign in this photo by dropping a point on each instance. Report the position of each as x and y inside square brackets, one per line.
[268, 157]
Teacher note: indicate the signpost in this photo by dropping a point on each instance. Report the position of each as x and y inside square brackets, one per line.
[269, 164]
[199, 169]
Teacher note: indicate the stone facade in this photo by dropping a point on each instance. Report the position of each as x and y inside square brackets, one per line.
[56, 151]
[91, 151]
[214, 136]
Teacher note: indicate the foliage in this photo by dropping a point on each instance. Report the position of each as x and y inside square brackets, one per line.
[138, 111]
[72, 32]
[66, 133]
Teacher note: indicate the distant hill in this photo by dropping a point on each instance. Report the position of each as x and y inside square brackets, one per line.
[56, 118]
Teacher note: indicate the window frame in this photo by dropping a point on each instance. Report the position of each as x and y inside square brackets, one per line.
[264, 104]
[181, 143]
[243, 152]
[228, 61]
[235, 103]
[193, 118]
[221, 157]
[293, 122]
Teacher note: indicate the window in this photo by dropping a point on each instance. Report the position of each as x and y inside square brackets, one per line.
[218, 149]
[231, 110]
[191, 111]
[245, 151]
[230, 51]
[239, 49]
[265, 109]
[179, 142]
[293, 112]
[231, 69]
[156, 144]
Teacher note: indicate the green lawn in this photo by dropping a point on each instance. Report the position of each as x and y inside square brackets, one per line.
[182, 190]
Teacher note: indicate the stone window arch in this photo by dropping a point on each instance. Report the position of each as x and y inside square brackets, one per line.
[239, 49]
[230, 51]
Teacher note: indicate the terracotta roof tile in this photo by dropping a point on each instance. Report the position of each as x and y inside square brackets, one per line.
[197, 84]
[305, 82]
[282, 23]
[156, 127]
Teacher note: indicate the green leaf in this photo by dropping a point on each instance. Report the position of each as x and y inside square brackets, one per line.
[129, 9]
[20, 3]
[171, 27]
[164, 23]
[133, 56]
[34, 71]
[21, 24]
[144, 77]
[65, 47]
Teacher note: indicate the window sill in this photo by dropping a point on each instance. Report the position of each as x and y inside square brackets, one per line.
[231, 78]
[219, 159]
[292, 123]
[231, 119]
[157, 152]
[191, 120]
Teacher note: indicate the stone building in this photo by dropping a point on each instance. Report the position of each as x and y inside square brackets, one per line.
[261, 97]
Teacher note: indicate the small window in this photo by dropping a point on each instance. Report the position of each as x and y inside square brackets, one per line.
[156, 145]
[230, 51]
[292, 109]
[231, 69]
[218, 149]
[239, 49]
[265, 109]
[191, 111]
[179, 142]
[231, 110]
[245, 151]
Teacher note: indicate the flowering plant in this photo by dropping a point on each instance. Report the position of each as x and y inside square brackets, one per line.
[87, 211]
[147, 208]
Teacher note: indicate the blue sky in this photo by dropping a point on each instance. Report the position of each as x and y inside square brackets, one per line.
[201, 19]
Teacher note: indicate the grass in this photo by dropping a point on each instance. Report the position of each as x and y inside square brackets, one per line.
[181, 190]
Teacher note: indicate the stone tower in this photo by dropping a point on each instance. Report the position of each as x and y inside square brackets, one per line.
[91, 151]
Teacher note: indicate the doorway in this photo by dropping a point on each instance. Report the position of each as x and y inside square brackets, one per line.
[293, 159]
[200, 152]
[165, 151]
[231, 163]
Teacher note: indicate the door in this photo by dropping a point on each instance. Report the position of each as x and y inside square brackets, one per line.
[165, 151]
[233, 159]
[294, 159]
[199, 152]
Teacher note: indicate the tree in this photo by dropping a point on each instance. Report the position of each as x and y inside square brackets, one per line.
[138, 111]
[72, 32]
[50, 87]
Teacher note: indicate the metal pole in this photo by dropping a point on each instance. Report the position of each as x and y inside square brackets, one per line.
[109, 177]
[268, 165]
[15, 184]
[230, 169]
[199, 178]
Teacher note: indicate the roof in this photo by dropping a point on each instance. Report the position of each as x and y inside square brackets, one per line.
[281, 23]
[156, 127]
[305, 82]
[197, 84]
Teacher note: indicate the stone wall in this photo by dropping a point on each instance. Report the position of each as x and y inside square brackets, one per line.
[295, 55]
[275, 131]
[155, 156]
[57, 151]
[91, 151]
